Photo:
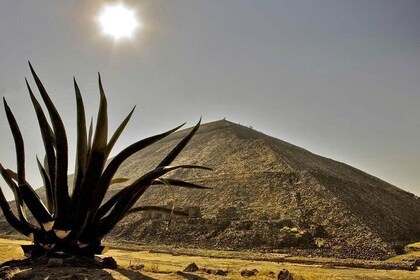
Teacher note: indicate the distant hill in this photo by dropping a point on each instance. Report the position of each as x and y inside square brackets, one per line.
[269, 195]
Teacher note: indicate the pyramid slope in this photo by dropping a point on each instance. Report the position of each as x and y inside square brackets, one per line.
[271, 184]
[269, 194]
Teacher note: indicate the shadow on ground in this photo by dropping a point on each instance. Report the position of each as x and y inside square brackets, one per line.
[73, 273]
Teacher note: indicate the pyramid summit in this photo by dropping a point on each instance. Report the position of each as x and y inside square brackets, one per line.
[268, 194]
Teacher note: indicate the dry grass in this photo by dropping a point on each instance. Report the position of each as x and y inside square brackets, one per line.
[169, 263]
[165, 266]
[412, 252]
[10, 249]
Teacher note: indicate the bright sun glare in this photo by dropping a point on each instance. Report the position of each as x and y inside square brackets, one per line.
[118, 21]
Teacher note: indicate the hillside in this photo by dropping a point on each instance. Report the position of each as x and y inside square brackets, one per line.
[269, 195]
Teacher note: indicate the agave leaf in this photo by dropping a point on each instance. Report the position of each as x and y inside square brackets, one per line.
[12, 174]
[118, 132]
[29, 196]
[47, 137]
[104, 209]
[77, 202]
[96, 162]
[52, 136]
[159, 209]
[17, 137]
[48, 188]
[89, 142]
[21, 226]
[81, 138]
[61, 185]
[129, 151]
[16, 192]
[130, 194]
[82, 150]
[118, 180]
[178, 148]
[101, 131]
[115, 163]
[35, 204]
[179, 183]
[186, 166]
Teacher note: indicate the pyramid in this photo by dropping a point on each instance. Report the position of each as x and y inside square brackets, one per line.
[267, 195]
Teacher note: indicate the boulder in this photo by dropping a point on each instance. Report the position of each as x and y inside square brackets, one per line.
[284, 274]
[248, 273]
[192, 267]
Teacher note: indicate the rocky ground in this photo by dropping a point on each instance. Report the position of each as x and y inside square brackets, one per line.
[180, 264]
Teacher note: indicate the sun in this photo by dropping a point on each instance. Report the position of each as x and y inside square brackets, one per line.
[118, 21]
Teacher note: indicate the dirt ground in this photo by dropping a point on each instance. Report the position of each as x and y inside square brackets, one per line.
[147, 264]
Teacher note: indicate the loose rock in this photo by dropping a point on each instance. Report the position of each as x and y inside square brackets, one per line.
[220, 272]
[284, 275]
[109, 262]
[247, 273]
[192, 267]
[55, 262]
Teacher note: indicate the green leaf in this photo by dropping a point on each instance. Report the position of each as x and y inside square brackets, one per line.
[118, 132]
[96, 163]
[21, 226]
[89, 142]
[178, 148]
[16, 193]
[101, 131]
[128, 196]
[35, 204]
[62, 193]
[116, 162]
[48, 138]
[12, 174]
[19, 146]
[81, 155]
[104, 209]
[179, 183]
[48, 187]
[118, 180]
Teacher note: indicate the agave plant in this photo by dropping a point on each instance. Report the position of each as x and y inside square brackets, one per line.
[75, 222]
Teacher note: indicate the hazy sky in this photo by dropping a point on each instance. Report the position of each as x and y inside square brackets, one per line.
[339, 78]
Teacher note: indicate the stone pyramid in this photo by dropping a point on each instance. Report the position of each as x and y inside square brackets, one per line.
[268, 194]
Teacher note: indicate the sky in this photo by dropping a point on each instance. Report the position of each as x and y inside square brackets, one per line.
[338, 78]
